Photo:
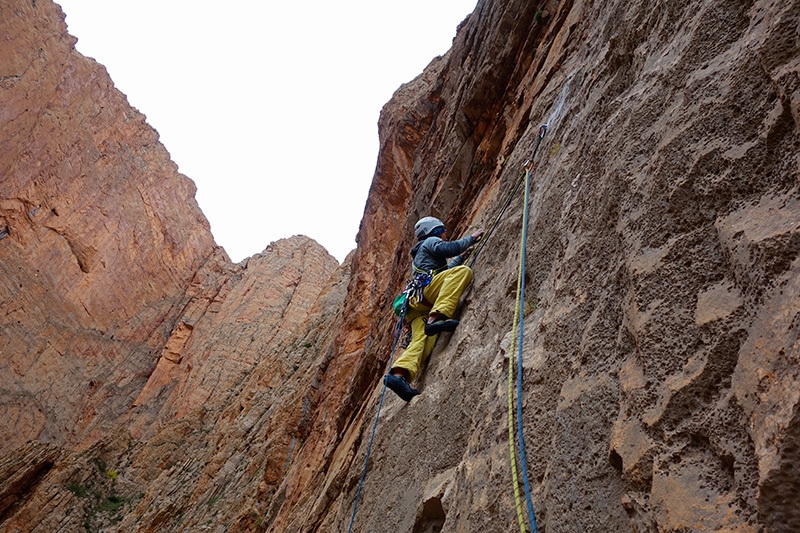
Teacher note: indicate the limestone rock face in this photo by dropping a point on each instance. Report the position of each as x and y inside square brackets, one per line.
[126, 332]
[100, 237]
[151, 385]
[660, 357]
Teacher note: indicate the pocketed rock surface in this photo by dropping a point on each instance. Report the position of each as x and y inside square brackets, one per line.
[149, 384]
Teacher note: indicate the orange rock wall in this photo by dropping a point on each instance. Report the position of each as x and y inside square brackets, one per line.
[660, 356]
[101, 236]
[662, 256]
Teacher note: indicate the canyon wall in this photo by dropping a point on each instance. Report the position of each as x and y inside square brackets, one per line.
[661, 355]
[151, 385]
[101, 237]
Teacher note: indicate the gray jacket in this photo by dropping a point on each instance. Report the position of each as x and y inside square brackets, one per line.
[432, 253]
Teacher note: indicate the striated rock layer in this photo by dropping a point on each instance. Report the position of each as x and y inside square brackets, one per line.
[133, 353]
[100, 238]
[152, 385]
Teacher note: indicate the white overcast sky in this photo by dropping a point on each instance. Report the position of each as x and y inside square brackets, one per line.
[270, 107]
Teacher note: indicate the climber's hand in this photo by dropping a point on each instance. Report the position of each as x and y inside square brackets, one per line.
[477, 235]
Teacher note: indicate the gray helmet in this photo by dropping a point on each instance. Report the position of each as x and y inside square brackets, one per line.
[426, 226]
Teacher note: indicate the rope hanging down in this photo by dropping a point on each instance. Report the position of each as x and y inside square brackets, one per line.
[518, 326]
[520, 312]
[511, 448]
[398, 331]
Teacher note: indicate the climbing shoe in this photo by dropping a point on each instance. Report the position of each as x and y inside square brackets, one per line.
[443, 324]
[400, 386]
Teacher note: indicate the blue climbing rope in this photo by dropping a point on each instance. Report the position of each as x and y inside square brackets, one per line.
[398, 331]
[520, 436]
[521, 339]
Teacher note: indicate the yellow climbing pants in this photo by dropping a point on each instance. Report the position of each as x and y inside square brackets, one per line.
[440, 296]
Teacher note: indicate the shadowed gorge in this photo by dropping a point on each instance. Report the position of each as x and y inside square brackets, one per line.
[147, 383]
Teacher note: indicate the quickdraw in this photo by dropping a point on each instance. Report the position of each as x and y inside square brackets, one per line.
[417, 284]
[413, 293]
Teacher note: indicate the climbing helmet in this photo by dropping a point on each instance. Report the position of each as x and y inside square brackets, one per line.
[426, 226]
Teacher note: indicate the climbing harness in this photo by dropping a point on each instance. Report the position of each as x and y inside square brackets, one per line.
[413, 293]
[398, 331]
[518, 329]
[422, 278]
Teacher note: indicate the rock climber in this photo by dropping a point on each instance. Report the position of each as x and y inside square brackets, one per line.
[433, 313]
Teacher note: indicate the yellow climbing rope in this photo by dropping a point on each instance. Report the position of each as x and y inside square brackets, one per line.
[518, 328]
[511, 350]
